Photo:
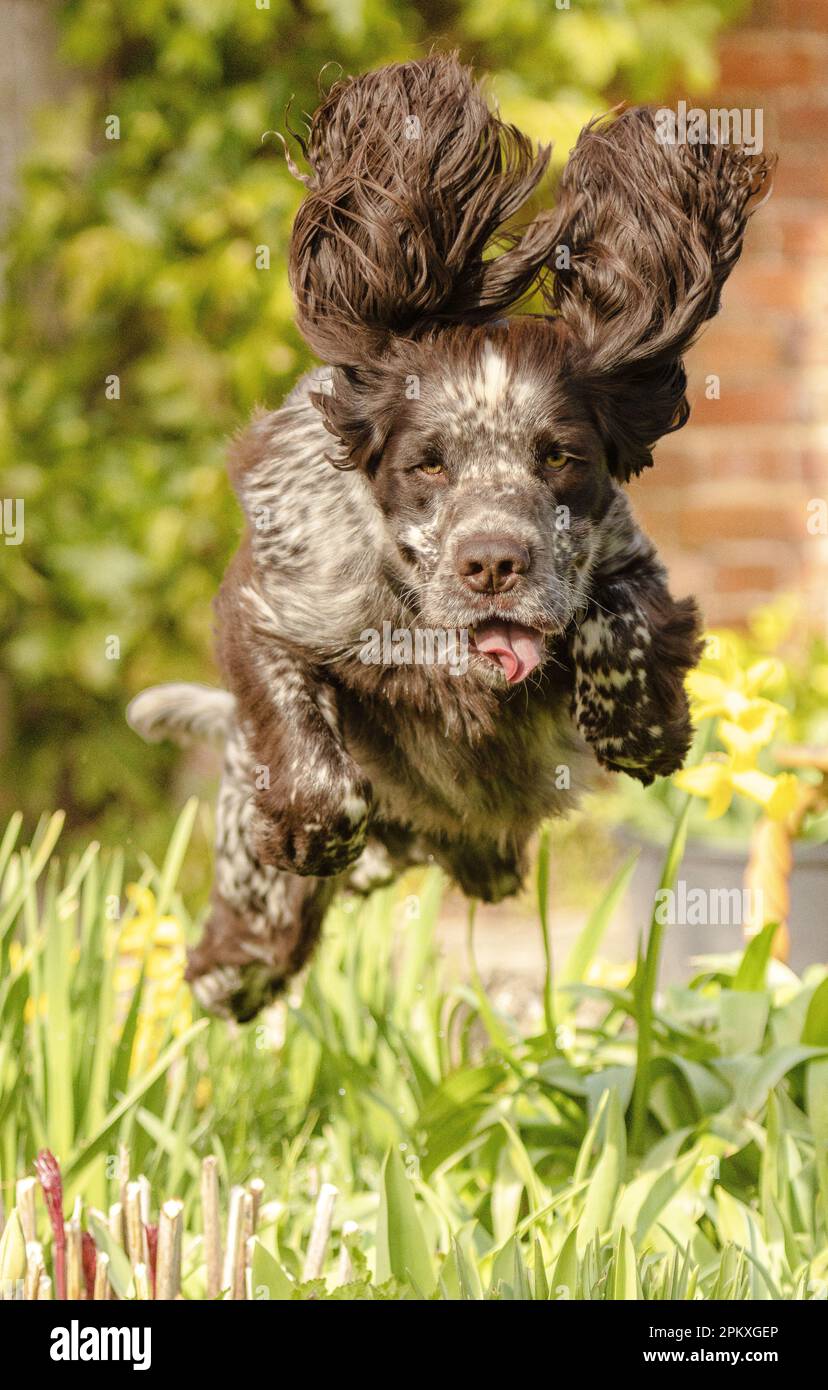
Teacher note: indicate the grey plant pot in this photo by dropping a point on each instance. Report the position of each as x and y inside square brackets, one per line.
[708, 867]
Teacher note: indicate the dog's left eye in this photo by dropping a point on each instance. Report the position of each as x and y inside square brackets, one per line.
[432, 467]
[555, 459]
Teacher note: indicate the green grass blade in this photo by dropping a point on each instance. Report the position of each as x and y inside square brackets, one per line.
[402, 1249]
[546, 935]
[97, 1141]
[589, 938]
[646, 980]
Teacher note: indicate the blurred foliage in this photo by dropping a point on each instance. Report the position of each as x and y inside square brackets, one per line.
[133, 257]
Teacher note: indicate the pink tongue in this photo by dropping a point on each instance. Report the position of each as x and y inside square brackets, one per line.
[516, 649]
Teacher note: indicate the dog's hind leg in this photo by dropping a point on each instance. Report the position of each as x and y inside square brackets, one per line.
[263, 922]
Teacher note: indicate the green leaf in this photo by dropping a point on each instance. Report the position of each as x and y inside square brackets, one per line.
[267, 1277]
[816, 1090]
[402, 1251]
[120, 1269]
[541, 1281]
[761, 1074]
[509, 1274]
[97, 1142]
[753, 967]
[606, 1178]
[565, 1276]
[815, 1031]
[174, 857]
[591, 935]
[743, 1018]
[625, 1283]
[663, 1190]
[546, 935]
[467, 1272]
[646, 979]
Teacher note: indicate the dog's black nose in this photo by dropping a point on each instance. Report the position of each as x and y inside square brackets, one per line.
[491, 564]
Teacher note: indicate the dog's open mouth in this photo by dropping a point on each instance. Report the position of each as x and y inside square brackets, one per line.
[516, 649]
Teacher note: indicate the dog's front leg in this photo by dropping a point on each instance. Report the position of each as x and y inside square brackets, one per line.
[631, 649]
[312, 802]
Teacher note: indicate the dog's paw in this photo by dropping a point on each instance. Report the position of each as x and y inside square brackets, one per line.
[237, 992]
[628, 731]
[317, 832]
[629, 701]
[644, 765]
[481, 872]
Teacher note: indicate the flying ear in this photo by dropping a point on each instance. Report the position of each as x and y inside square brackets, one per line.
[652, 229]
[412, 178]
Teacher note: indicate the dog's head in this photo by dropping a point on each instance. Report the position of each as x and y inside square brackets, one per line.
[495, 449]
[494, 485]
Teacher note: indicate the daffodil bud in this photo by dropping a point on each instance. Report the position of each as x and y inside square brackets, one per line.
[12, 1255]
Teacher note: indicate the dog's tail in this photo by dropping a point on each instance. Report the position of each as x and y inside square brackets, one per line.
[182, 712]
[412, 177]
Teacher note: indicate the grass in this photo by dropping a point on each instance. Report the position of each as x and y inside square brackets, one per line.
[398, 1136]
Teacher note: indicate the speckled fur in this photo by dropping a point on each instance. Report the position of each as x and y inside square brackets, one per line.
[431, 425]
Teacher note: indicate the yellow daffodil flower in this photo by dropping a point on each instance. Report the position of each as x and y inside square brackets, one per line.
[719, 778]
[729, 687]
[203, 1092]
[154, 948]
[771, 624]
[734, 695]
[610, 974]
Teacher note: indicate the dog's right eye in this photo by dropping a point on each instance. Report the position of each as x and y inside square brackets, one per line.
[432, 467]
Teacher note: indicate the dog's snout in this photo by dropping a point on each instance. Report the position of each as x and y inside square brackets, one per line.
[491, 563]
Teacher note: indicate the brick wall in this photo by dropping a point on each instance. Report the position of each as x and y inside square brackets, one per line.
[727, 500]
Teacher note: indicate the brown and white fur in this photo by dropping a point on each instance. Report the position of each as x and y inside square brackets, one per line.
[455, 470]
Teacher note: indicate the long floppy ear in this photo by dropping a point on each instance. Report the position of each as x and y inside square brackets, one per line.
[653, 229]
[412, 178]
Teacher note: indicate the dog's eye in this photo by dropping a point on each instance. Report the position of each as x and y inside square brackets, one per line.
[555, 459]
[432, 467]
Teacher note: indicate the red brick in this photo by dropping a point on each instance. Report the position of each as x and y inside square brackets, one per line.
[733, 578]
[733, 342]
[764, 60]
[801, 229]
[794, 14]
[700, 523]
[733, 610]
[801, 173]
[806, 118]
[740, 460]
[764, 237]
[769, 401]
[815, 470]
[726, 502]
[767, 282]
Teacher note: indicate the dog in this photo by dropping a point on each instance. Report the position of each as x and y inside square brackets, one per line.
[456, 467]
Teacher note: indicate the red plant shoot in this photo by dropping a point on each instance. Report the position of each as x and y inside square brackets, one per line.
[51, 1182]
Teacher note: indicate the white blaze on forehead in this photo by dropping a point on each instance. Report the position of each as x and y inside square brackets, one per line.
[487, 393]
[495, 375]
